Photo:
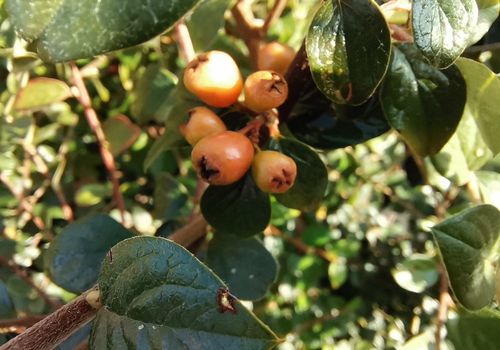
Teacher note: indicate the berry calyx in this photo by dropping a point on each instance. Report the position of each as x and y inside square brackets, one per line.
[214, 77]
[275, 56]
[202, 122]
[265, 90]
[273, 172]
[223, 158]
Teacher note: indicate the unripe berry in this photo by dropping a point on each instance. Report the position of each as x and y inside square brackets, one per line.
[265, 90]
[202, 122]
[214, 77]
[273, 171]
[222, 158]
[275, 56]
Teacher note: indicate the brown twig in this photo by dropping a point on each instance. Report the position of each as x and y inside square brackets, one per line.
[184, 42]
[444, 303]
[94, 123]
[21, 273]
[273, 15]
[248, 29]
[56, 327]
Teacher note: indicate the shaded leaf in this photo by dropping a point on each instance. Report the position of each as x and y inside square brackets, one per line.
[483, 89]
[92, 194]
[488, 13]
[120, 133]
[312, 177]
[469, 245]
[75, 255]
[416, 273]
[348, 46]
[239, 209]
[422, 103]
[71, 29]
[235, 262]
[475, 331]
[442, 29]
[157, 295]
[41, 92]
[6, 305]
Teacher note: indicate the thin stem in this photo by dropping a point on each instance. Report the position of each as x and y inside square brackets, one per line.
[273, 15]
[444, 303]
[248, 30]
[94, 123]
[190, 233]
[184, 42]
[21, 273]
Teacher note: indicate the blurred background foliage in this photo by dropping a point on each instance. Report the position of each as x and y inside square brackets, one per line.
[360, 272]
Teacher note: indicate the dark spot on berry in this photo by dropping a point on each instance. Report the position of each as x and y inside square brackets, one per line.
[206, 171]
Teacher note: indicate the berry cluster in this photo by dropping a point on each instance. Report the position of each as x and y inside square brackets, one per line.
[221, 156]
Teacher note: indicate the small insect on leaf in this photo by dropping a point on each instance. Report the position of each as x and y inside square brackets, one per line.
[226, 301]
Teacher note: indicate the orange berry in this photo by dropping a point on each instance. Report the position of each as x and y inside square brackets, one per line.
[222, 158]
[275, 56]
[214, 77]
[202, 122]
[265, 90]
[273, 171]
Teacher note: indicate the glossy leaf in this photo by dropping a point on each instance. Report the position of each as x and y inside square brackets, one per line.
[240, 209]
[320, 123]
[416, 273]
[71, 29]
[442, 29]
[483, 89]
[488, 13]
[157, 295]
[75, 255]
[120, 133]
[234, 260]
[348, 46]
[312, 177]
[469, 243]
[422, 103]
[475, 331]
[151, 91]
[489, 186]
[464, 152]
[41, 92]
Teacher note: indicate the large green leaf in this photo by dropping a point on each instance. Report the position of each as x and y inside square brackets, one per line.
[75, 255]
[157, 295]
[475, 331]
[348, 46]
[312, 177]
[443, 28]
[470, 248]
[71, 29]
[424, 104]
[234, 260]
[483, 89]
[239, 209]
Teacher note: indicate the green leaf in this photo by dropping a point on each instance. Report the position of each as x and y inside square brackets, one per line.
[470, 248]
[234, 261]
[41, 92]
[24, 297]
[157, 295]
[75, 255]
[70, 29]
[348, 46]
[239, 209]
[323, 124]
[416, 273]
[312, 177]
[488, 13]
[475, 331]
[6, 305]
[151, 91]
[203, 32]
[92, 194]
[483, 89]
[120, 133]
[317, 235]
[7, 247]
[464, 152]
[422, 103]
[442, 29]
[337, 273]
[489, 185]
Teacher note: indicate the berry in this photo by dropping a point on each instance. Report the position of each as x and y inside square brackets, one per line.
[222, 158]
[275, 56]
[273, 171]
[265, 90]
[214, 78]
[202, 122]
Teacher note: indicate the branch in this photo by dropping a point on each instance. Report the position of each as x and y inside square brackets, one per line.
[184, 42]
[444, 302]
[273, 15]
[248, 30]
[56, 327]
[21, 273]
[94, 123]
